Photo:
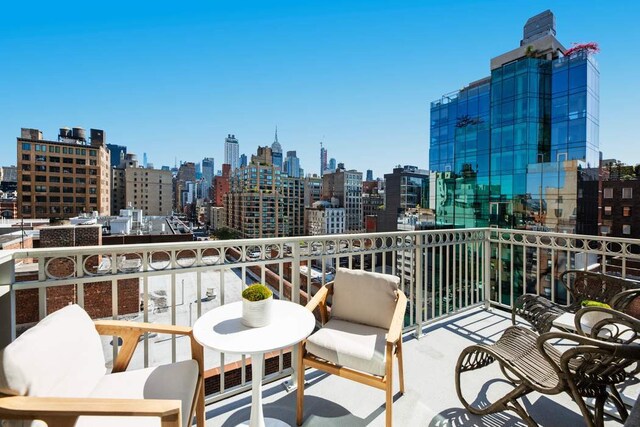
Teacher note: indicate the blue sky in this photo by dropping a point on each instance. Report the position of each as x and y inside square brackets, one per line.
[174, 78]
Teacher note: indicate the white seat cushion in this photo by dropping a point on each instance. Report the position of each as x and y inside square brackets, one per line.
[351, 345]
[59, 357]
[174, 381]
[364, 297]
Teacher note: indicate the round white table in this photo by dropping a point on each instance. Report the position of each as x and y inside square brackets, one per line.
[221, 329]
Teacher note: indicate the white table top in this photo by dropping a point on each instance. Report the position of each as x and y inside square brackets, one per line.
[221, 328]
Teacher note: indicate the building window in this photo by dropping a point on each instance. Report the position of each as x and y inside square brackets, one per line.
[54, 179]
[607, 210]
[26, 146]
[627, 193]
[26, 167]
[626, 211]
[26, 157]
[626, 229]
[608, 193]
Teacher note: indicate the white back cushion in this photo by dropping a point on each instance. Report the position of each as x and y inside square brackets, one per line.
[363, 297]
[59, 357]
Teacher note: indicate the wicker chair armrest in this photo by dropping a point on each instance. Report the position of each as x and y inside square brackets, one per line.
[621, 300]
[614, 326]
[564, 278]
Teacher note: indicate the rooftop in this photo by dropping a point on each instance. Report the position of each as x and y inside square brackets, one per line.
[430, 398]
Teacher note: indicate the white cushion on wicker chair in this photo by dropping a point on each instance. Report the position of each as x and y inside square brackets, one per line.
[357, 346]
[364, 297]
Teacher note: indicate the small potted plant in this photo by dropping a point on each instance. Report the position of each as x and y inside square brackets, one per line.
[592, 318]
[256, 306]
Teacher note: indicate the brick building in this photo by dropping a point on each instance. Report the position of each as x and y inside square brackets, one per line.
[620, 208]
[97, 295]
[60, 179]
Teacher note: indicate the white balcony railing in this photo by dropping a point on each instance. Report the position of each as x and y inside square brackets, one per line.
[442, 272]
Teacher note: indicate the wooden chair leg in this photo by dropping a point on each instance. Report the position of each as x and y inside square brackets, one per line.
[389, 388]
[300, 389]
[200, 417]
[400, 365]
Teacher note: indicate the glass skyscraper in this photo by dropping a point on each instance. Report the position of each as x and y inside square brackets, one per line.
[517, 149]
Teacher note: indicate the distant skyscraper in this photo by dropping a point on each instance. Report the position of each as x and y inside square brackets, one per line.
[346, 187]
[232, 151]
[144, 160]
[276, 150]
[198, 170]
[243, 160]
[323, 159]
[332, 164]
[207, 173]
[118, 152]
[292, 165]
[369, 175]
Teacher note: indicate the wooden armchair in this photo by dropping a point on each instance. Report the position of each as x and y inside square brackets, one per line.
[361, 337]
[55, 373]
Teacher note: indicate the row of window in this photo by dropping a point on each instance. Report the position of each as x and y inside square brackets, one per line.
[26, 146]
[627, 193]
[57, 199]
[56, 179]
[42, 210]
[56, 169]
[605, 229]
[626, 210]
[56, 189]
[56, 159]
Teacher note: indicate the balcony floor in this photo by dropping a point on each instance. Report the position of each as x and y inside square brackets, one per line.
[430, 398]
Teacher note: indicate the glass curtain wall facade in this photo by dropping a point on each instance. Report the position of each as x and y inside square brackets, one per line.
[513, 150]
[459, 157]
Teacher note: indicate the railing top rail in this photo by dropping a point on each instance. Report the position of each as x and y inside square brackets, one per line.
[560, 235]
[172, 246]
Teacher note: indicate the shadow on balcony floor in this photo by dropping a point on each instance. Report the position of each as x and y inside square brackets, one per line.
[430, 398]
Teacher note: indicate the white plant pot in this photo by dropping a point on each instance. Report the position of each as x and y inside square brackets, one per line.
[256, 314]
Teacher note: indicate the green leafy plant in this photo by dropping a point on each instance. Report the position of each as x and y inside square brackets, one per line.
[257, 292]
[590, 303]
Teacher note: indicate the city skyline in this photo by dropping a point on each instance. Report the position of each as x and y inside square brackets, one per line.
[150, 92]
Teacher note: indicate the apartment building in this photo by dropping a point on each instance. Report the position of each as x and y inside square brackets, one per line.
[148, 189]
[60, 179]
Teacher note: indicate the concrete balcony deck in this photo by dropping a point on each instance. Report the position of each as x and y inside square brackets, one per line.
[430, 398]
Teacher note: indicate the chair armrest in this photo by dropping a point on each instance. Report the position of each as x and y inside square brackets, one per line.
[616, 327]
[621, 301]
[115, 327]
[320, 300]
[397, 322]
[130, 333]
[27, 407]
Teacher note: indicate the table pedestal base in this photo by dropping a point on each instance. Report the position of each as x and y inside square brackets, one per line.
[268, 422]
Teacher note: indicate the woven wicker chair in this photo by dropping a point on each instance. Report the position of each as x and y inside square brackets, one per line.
[581, 285]
[589, 368]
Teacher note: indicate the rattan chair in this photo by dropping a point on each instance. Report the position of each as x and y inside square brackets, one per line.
[590, 367]
[581, 285]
